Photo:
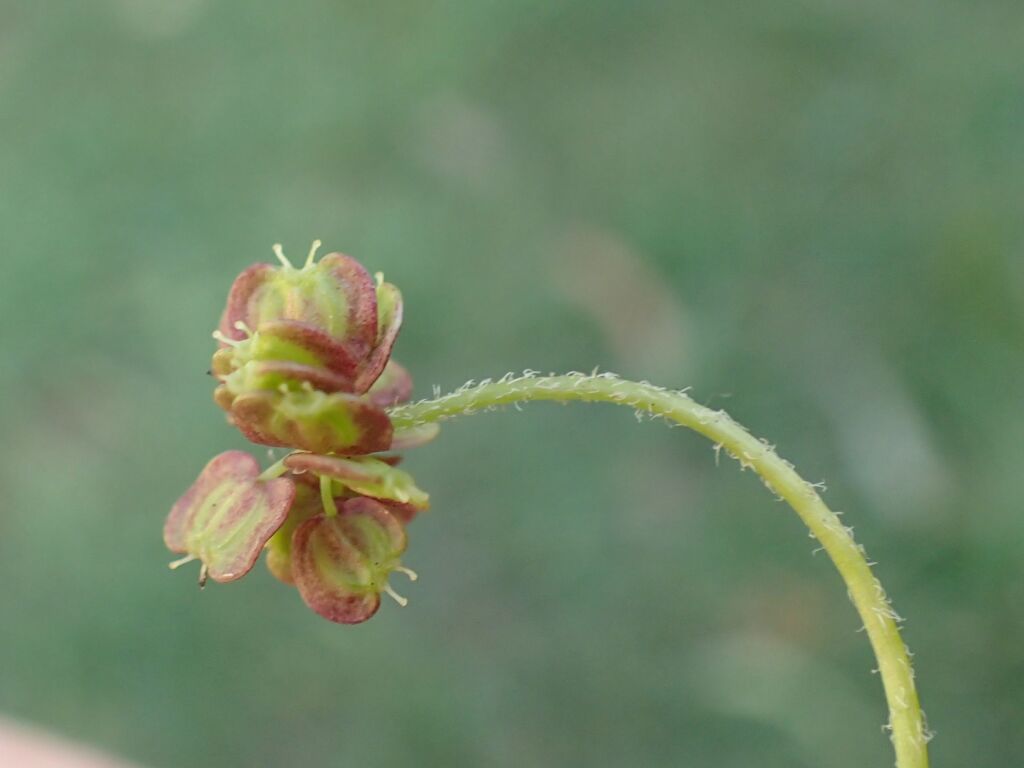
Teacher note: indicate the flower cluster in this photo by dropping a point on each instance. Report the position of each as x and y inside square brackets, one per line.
[304, 362]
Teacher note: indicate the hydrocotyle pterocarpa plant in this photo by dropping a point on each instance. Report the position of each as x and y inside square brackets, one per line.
[304, 363]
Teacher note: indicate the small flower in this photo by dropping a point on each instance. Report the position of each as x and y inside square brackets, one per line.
[341, 563]
[331, 311]
[226, 517]
[304, 359]
[323, 484]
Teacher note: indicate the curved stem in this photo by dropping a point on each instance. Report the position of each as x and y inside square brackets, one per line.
[906, 721]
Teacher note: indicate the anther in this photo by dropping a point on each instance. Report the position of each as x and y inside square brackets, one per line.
[203, 573]
[241, 326]
[402, 601]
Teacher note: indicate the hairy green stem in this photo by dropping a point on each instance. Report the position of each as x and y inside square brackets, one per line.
[906, 721]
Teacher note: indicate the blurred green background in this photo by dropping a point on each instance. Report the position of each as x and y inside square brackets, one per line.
[809, 212]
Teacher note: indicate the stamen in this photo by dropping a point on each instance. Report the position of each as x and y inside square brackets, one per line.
[312, 253]
[225, 339]
[402, 601]
[203, 573]
[178, 563]
[279, 252]
[379, 277]
[409, 572]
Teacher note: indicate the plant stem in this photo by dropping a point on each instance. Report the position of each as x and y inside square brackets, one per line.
[906, 721]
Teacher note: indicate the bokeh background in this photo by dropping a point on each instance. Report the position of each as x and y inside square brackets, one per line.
[810, 212]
